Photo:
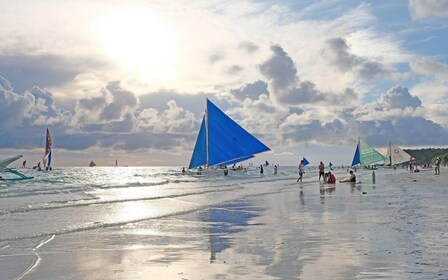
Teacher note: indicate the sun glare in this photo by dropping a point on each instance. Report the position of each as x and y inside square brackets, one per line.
[141, 41]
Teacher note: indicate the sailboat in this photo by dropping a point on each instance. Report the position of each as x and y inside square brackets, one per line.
[47, 157]
[5, 169]
[395, 155]
[221, 141]
[92, 164]
[366, 155]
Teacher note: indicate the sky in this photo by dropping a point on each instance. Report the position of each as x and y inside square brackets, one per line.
[128, 80]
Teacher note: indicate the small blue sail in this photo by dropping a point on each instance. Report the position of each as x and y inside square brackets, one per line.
[305, 161]
[226, 141]
[199, 156]
[356, 159]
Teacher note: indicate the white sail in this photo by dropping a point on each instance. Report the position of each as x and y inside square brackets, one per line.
[395, 155]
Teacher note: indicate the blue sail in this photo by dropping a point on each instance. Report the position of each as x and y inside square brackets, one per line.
[356, 159]
[199, 156]
[238, 160]
[225, 140]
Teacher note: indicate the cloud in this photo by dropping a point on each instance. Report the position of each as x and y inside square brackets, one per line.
[399, 97]
[252, 91]
[428, 67]
[421, 9]
[112, 119]
[172, 120]
[286, 88]
[249, 47]
[338, 53]
[45, 70]
[113, 105]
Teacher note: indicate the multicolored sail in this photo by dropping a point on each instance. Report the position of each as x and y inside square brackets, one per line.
[222, 141]
[47, 156]
[365, 154]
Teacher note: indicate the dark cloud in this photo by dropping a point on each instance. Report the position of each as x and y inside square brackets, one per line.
[285, 87]
[249, 47]
[216, 57]
[338, 53]
[107, 121]
[413, 131]
[252, 91]
[234, 70]
[27, 71]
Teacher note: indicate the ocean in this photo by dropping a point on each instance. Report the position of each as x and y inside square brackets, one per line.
[156, 223]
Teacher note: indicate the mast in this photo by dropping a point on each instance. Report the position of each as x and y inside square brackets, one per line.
[206, 133]
[390, 153]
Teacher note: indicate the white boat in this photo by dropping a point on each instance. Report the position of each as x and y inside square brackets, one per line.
[395, 155]
[221, 141]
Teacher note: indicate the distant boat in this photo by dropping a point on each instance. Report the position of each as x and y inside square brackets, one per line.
[92, 164]
[47, 157]
[366, 155]
[395, 155]
[221, 141]
[4, 168]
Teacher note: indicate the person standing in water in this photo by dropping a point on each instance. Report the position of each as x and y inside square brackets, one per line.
[301, 171]
[261, 169]
[437, 164]
[275, 169]
[321, 170]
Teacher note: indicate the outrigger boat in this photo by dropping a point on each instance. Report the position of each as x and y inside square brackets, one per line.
[365, 155]
[5, 169]
[221, 142]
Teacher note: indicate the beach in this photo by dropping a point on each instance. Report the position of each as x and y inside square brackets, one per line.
[155, 223]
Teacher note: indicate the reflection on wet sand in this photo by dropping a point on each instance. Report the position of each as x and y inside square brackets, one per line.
[394, 229]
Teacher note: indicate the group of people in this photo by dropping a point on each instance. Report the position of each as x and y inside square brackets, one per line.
[328, 177]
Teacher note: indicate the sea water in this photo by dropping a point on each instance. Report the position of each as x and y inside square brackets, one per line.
[157, 223]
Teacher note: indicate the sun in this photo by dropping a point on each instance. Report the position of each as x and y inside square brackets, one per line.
[141, 41]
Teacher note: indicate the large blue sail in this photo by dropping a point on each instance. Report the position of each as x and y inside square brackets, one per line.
[227, 140]
[199, 156]
[222, 141]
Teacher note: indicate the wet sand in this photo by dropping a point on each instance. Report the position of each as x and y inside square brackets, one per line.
[393, 229]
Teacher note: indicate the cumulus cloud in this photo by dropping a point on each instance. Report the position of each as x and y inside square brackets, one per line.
[113, 119]
[421, 9]
[286, 88]
[399, 97]
[172, 120]
[252, 91]
[113, 105]
[338, 53]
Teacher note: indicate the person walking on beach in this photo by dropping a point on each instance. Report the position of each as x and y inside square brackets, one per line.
[321, 170]
[437, 163]
[301, 171]
[24, 164]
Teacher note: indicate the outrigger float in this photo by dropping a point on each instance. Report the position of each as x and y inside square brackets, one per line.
[5, 169]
